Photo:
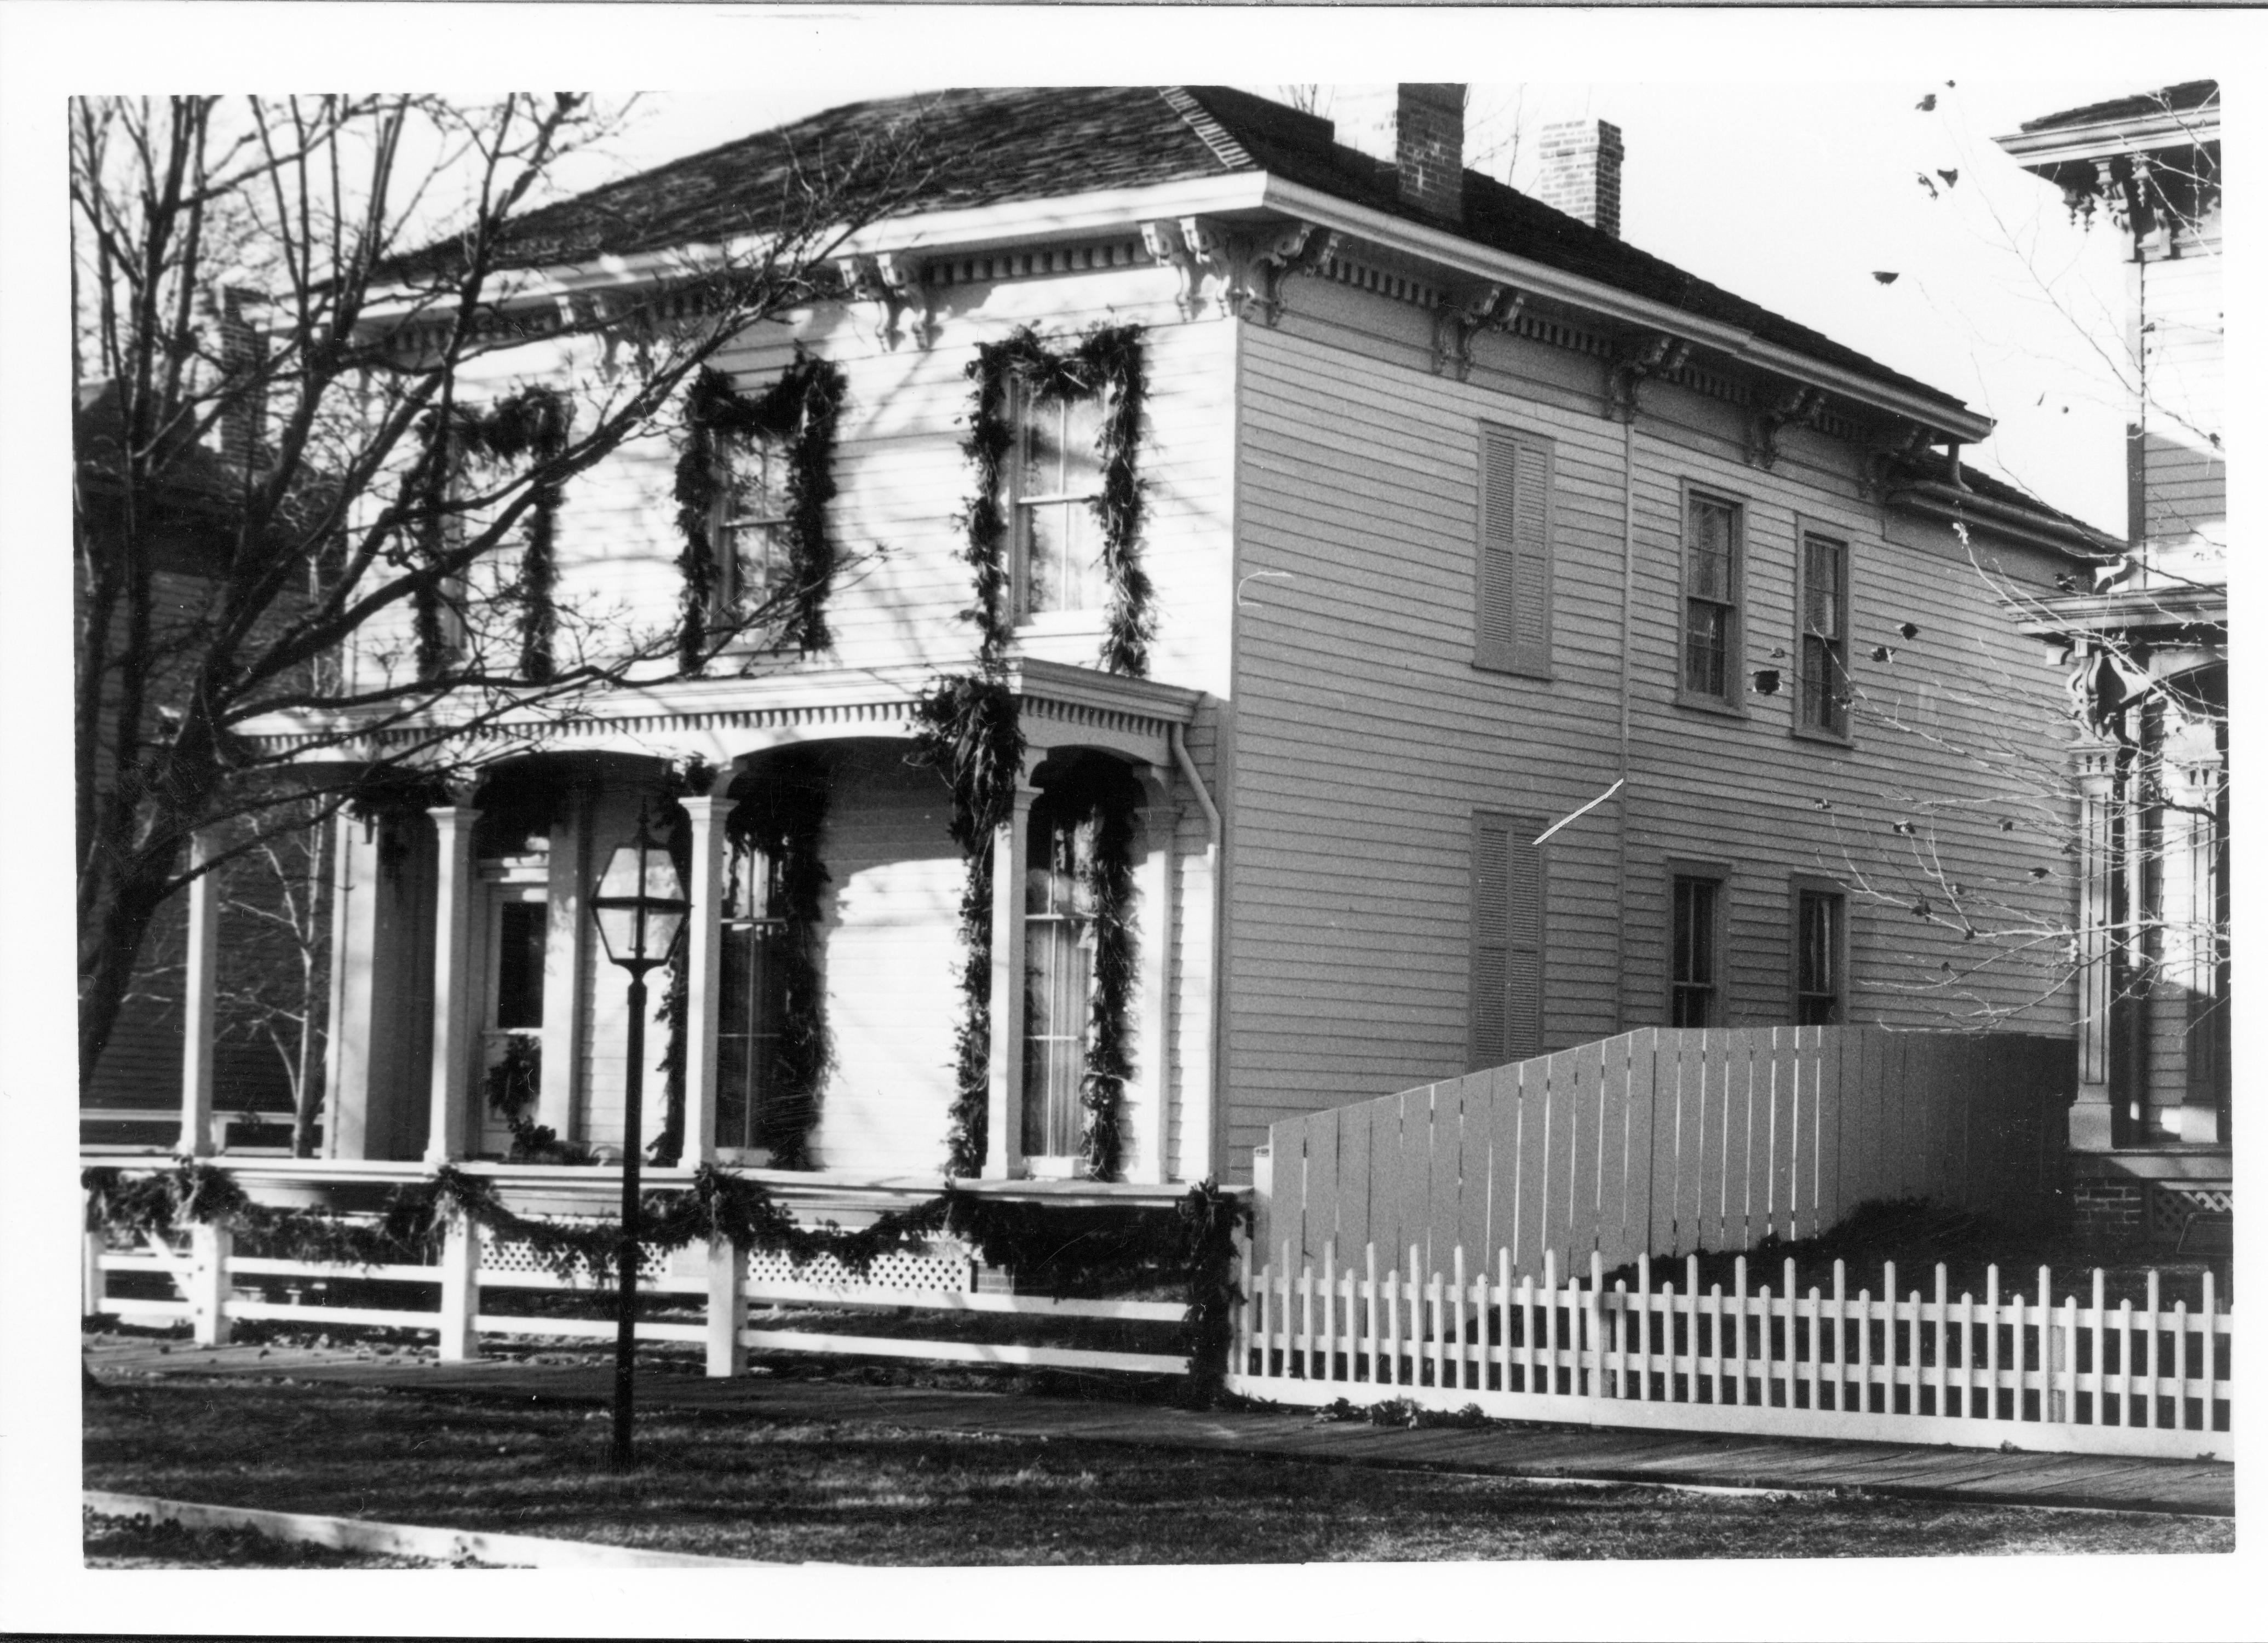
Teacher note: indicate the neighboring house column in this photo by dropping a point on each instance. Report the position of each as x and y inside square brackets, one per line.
[702, 954]
[199, 973]
[1004, 1151]
[453, 895]
[2092, 1124]
[565, 938]
[1153, 905]
[2187, 969]
[354, 947]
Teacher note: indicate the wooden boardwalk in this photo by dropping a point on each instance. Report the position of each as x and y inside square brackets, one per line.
[1969, 1476]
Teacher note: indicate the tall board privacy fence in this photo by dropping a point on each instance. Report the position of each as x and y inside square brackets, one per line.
[1999, 1369]
[1662, 1142]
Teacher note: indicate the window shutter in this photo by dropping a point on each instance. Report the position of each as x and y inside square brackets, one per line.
[1508, 958]
[1513, 615]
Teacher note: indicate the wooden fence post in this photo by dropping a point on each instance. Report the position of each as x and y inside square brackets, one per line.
[91, 1283]
[209, 1247]
[728, 1308]
[460, 1288]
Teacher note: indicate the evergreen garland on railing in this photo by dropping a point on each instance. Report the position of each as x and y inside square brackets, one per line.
[1059, 1250]
[1108, 360]
[804, 408]
[967, 730]
[785, 818]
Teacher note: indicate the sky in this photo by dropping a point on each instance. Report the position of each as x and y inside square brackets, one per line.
[1794, 195]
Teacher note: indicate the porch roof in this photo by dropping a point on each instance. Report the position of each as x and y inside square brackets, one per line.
[723, 720]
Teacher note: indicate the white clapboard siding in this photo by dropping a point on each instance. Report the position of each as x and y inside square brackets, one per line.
[1445, 1333]
[1356, 783]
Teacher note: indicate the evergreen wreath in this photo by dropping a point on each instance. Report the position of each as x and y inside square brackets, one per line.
[966, 729]
[511, 1087]
[1106, 361]
[531, 424]
[1062, 1249]
[804, 409]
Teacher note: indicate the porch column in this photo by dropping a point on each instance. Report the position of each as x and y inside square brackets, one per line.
[702, 953]
[199, 974]
[568, 926]
[2092, 1123]
[1004, 1149]
[1153, 957]
[354, 949]
[454, 892]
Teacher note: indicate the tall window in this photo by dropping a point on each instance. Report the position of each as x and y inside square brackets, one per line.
[1512, 628]
[752, 994]
[1507, 957]
[1695, 905]
[1824, 603]
[1818, 957]
[1058, 981]
[1712, 594]
[521, 929]
[1057, 474]
[751, 525]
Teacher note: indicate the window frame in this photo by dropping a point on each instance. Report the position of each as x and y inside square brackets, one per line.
[1022, 404]
[1509, 657]
[760, 929]
[727, 596]
[1798, 886]
[1733, 701]
[1808, 528]
[1517, 827]
[1045, 826]
[1718, 874]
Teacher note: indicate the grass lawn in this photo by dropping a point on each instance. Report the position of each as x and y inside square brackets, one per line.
[139, 1542]
[728, 1483]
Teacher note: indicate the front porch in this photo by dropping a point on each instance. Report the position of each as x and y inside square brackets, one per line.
[810, 1015]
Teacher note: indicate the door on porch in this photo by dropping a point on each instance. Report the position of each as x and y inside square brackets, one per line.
[509, 1074]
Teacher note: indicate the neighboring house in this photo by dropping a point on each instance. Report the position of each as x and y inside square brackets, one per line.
[134, 1092]
[2151, 646]
[1459, 513]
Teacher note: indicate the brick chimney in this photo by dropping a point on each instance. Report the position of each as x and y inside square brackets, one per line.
[242, 350]
[1419, 129]
[1583, 172]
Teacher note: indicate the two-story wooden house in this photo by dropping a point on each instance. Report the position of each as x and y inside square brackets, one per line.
[2150, 645]
[1433, 628]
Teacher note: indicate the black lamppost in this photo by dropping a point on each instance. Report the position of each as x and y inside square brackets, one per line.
[640, 905]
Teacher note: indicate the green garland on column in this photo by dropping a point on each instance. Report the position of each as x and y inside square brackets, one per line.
[803, 408]
[1108, 361]
[967, 730]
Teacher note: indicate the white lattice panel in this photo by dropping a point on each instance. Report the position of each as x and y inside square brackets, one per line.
[517, 1254]
[940, 1266]
[2171, 1205]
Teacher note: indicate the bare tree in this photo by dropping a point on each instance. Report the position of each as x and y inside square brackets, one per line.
[284, 308]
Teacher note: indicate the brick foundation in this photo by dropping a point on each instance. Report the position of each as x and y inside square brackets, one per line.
[2110, 1208]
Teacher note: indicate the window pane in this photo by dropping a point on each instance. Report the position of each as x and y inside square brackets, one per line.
[1706, 626]
[1081, 474]
[1709, 545]
[1823, 587]
[1692, 952]
[519, 964]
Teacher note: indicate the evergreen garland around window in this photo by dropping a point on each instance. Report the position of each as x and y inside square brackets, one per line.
[1108, 361]
[1100, 790]
[531, 424]
[803, 409]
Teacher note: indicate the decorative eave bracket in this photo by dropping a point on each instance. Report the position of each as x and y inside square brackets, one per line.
[893, 282]
[1905, 443]
[1455, 324]
[1655, 356]
[1237, 271]
[1796, 406]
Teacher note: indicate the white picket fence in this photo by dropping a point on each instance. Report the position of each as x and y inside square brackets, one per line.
[1990, 1372]
[212, 1284]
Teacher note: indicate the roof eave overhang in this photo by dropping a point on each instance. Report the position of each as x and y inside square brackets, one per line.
[2141, 134]
[2074, 541]
[1259, 194]
[2173, 611]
